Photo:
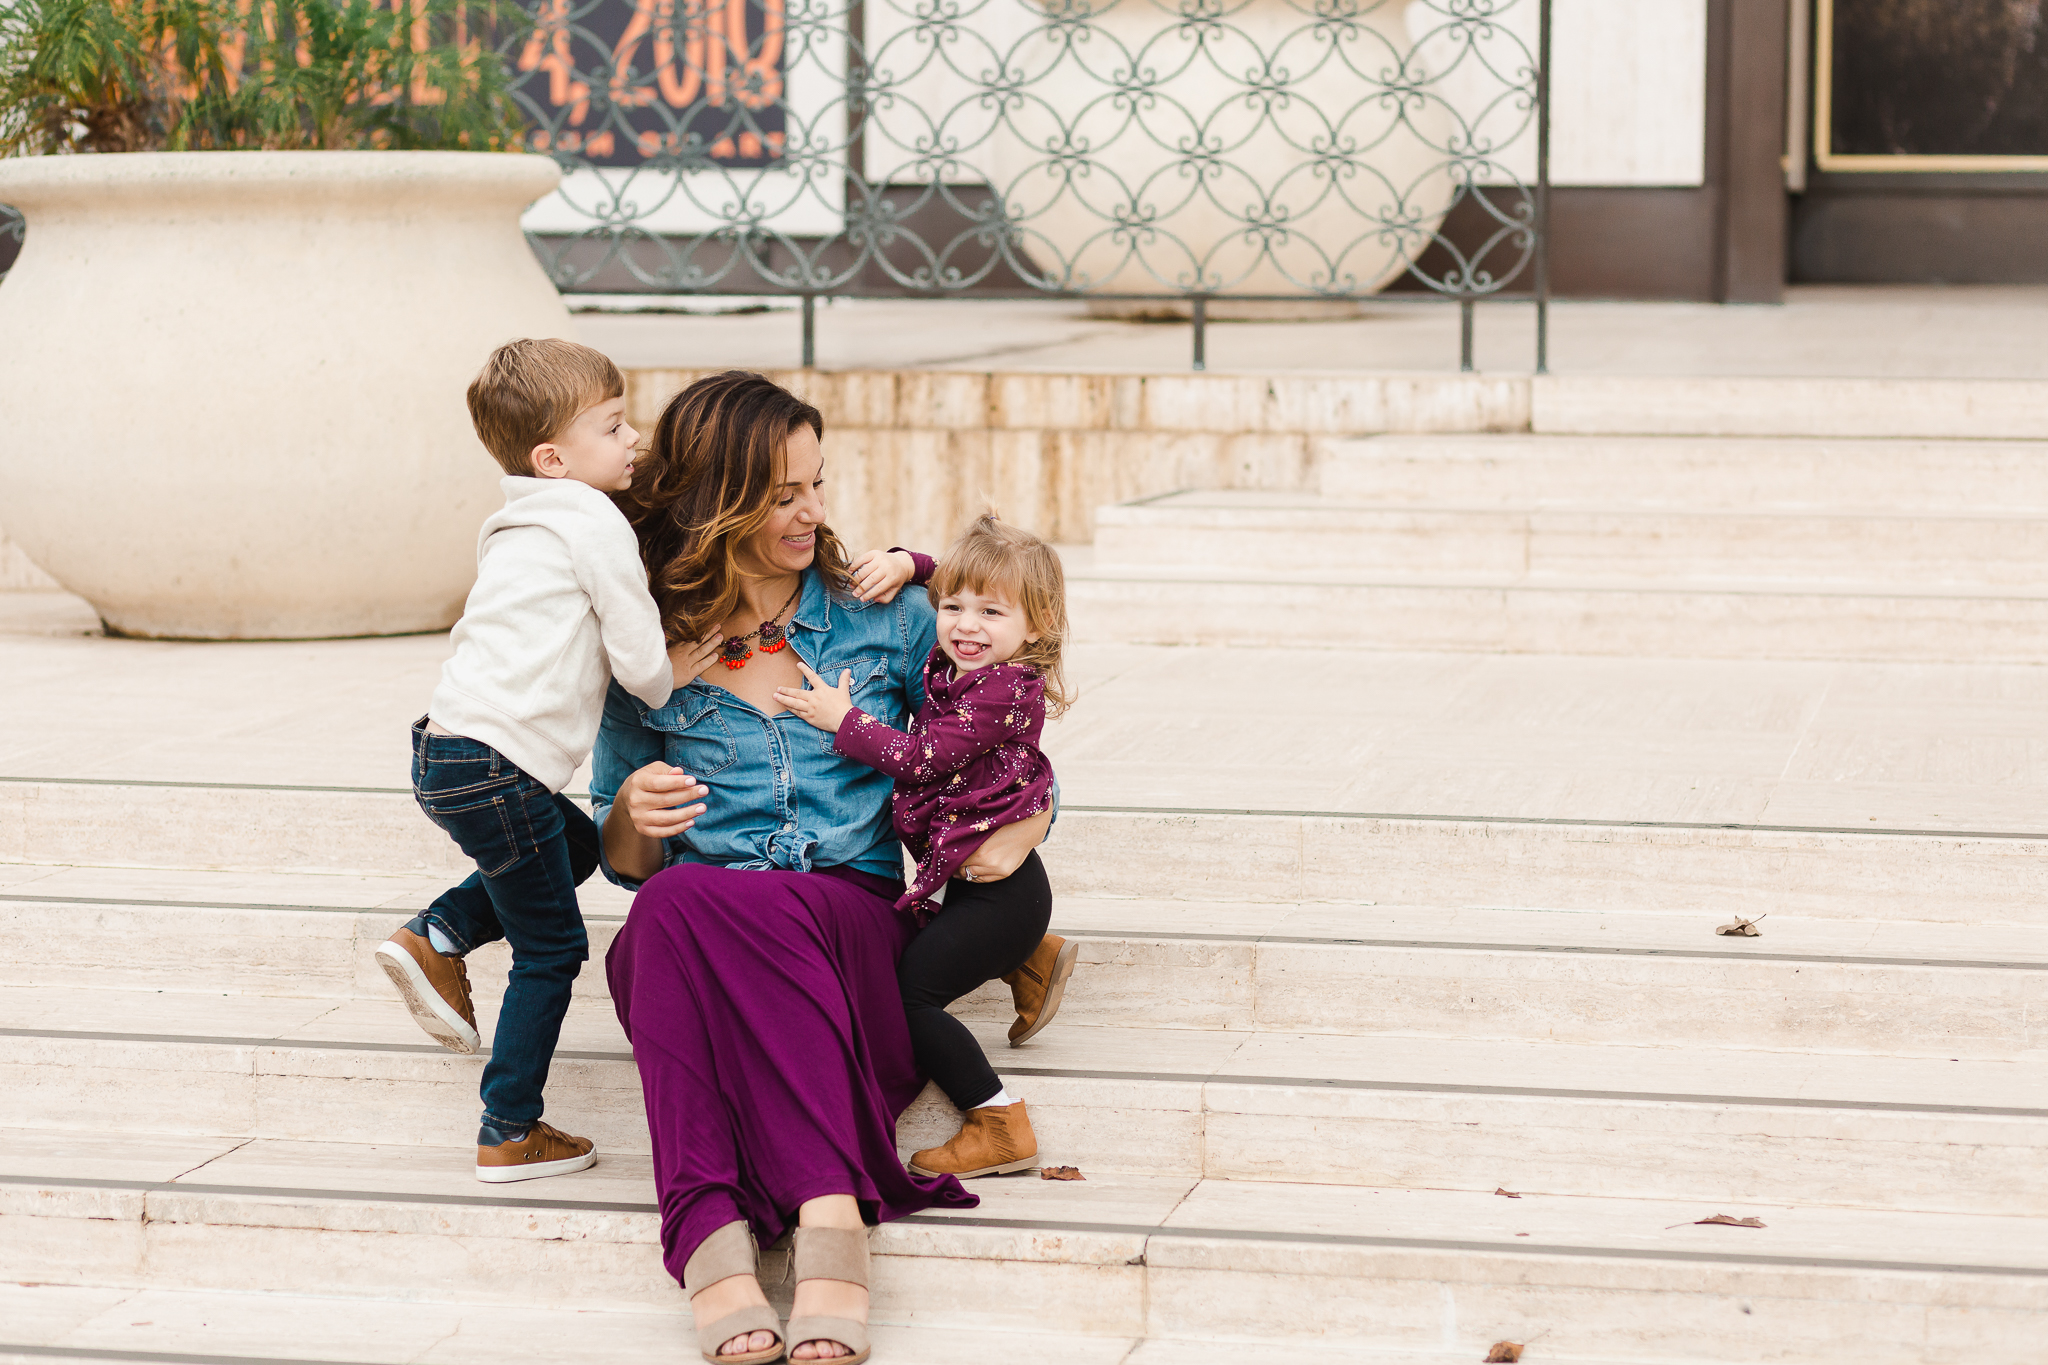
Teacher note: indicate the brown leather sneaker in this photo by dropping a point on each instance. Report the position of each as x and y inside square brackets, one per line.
[990, 1142]
[544, 1150]
[1037, 987]
[434, 987]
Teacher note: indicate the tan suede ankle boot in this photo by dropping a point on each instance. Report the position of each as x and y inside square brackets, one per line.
[1037, 987]
[990, 1142]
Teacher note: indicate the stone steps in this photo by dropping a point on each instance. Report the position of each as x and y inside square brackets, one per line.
[1514, 613]
[105, 1324]
[1161, 1258]
[376, 850]
[1903, 987]
[1685, 473]
[1305, 1046]
[1297, 533]
[1695, 1121]
[1665, 518]
[1834, 407]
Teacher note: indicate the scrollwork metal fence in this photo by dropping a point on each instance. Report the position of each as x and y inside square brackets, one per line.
[1142, 151]
[1135, 150]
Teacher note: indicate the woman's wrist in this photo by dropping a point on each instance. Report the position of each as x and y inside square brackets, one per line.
[1006, 848]
[633, 854]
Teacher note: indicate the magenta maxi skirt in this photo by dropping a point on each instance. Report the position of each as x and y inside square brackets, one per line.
[774, 1058]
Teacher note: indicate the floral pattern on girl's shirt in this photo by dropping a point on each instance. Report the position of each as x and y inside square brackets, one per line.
[968, 764]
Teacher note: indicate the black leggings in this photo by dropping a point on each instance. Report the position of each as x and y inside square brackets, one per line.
[985, 930]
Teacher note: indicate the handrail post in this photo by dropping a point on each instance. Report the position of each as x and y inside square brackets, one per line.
[1198, 313]
[810, 331]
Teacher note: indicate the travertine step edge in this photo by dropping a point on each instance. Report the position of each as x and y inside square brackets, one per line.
[39, 1320]
[1292, 511]
[1653, 549]
[1839, 407]
[279, 902]
[1765, 473]
[95, 1325]
[1507, 614]
[1337, 402]
[1276, 856]
[1745, 1300]
[1098, 573]
[1673, 979]
[201, 923]
[1840, 1132]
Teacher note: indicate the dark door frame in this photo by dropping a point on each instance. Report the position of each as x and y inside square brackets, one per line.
[1722, 241]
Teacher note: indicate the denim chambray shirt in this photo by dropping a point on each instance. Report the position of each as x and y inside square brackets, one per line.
[780, 797]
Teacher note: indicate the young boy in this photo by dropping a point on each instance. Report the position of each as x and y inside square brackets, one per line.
[560, 605]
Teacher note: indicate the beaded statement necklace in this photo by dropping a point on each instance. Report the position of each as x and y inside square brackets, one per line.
[770, 634]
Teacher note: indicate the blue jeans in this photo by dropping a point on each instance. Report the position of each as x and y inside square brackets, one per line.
[532, 848]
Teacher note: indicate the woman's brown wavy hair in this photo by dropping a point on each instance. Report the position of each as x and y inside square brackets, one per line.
[709, 483]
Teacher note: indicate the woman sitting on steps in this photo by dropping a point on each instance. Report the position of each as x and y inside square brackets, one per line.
[756, 973]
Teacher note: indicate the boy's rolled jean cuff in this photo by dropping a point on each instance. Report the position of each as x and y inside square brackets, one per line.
[463, 947]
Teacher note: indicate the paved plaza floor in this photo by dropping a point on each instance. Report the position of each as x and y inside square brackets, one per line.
[1947, 332]
[1831, 744]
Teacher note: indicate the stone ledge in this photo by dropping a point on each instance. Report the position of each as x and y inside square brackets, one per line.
[913, 455]
[1321, 404]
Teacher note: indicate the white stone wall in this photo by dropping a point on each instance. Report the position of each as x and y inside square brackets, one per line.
[1629, 92]
[1628, 89]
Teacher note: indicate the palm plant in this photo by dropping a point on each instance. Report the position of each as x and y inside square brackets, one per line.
[276, 75]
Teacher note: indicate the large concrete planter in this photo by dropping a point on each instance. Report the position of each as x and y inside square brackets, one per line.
[1264, 156]
[231, 383]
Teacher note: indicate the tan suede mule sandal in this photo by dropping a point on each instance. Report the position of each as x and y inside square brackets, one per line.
[832, 1254]
[725, 1253]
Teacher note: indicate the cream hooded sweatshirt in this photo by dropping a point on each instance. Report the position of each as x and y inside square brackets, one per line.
[560, 604]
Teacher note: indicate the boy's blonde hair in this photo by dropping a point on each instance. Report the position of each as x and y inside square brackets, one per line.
[529, 392]
[1001, 560]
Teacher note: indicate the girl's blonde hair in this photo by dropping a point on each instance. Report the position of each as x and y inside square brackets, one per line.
[1001, 560]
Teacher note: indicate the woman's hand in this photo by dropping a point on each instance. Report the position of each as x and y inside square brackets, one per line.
[879, 575]
[692, 657]
[648, 808]
[653, 800]
[1004, 851]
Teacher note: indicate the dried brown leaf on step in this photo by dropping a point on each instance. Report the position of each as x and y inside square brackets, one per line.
[1509, 1351]
[1729, 1221]
[1060, 1173]
[1742, 928]
[1505, 1193]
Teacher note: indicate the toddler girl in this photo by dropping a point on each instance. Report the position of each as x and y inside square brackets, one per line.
[969, 763]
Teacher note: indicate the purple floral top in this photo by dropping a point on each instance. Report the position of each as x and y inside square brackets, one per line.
[969, 763]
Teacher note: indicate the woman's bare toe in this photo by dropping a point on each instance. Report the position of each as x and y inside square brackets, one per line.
[820, 1350]
[747, 1343]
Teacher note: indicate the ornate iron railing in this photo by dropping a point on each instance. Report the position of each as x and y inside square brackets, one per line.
[1141, 150]
[1191, 151]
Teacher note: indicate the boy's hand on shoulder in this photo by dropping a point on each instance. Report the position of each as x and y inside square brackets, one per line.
[821, 704]
[879, 575]
[692, 657]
